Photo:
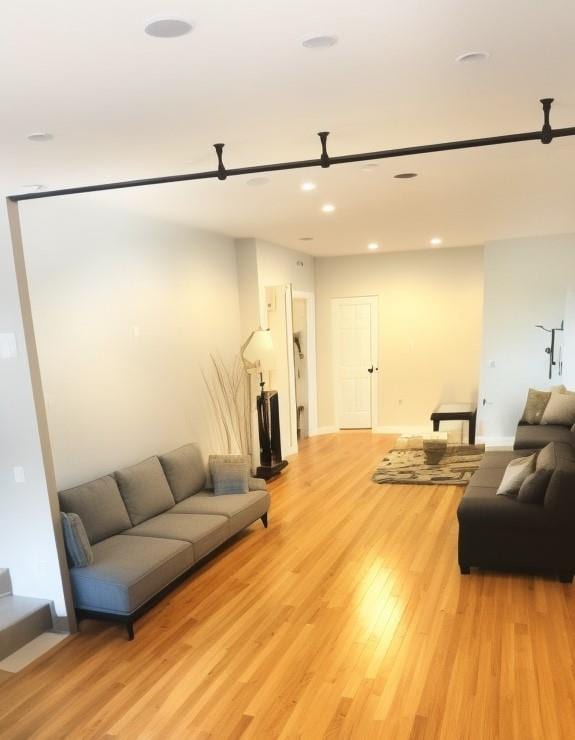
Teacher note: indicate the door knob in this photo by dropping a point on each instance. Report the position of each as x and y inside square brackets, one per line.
[370, 369]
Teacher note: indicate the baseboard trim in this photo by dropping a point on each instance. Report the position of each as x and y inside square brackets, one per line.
[323, 430]
[403, 429]
[493, 443]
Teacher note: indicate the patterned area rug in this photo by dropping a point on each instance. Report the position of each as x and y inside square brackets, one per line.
[408, 466]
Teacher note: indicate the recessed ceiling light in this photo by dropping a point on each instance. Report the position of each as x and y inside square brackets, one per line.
[39, 136]
[436, 241]
[328, 208]
[405, 175]
[473, 56]
[307, 186]
[373, 246]
[168, 28]
[257, 182]
[320, 42]
[369, 167]
[306, 238]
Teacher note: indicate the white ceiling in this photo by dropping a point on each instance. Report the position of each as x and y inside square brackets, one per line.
[122, 105]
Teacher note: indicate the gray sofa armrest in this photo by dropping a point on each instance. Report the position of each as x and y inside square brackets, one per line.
[257, 484]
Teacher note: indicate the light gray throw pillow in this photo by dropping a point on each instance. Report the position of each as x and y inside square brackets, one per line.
[560, 410]
[76, 541]
[230, 473]
[515, 473]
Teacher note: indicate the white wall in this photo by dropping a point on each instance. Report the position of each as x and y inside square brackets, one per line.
[526, 283]
[430, 311]
[28, 545]
[280, 266]
[127, 311]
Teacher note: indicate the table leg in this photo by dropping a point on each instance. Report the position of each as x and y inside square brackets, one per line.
[472, 424]
[436, 425]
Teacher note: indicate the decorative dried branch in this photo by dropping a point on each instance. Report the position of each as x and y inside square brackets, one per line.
[229, 393]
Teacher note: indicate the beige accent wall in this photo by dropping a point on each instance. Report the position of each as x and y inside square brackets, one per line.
[430, 316]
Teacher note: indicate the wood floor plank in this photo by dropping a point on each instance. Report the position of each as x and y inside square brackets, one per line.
[347, 618]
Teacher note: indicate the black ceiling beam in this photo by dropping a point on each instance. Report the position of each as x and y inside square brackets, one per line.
[545, 136]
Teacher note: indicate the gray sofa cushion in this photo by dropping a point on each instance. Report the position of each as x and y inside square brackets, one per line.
[145, 490]
[536, 436]
[203, 531]
[184, 468]
[241, 509]
[100, 507]
[128, 571]
[257, 484]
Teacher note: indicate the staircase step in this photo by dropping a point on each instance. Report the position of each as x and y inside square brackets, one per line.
[21, 620]
[5, 582]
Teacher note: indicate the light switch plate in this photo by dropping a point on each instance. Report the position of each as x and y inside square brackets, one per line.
[19, 475]
[8, 347]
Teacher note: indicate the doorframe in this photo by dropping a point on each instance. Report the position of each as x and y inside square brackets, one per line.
[310, 358]
[374, 301]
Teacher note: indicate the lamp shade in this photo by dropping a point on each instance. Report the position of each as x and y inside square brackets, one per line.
[260, 350]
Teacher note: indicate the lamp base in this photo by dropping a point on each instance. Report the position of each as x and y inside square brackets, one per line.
[270, 471]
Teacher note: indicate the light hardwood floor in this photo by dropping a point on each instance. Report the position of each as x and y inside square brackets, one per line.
[347, 618]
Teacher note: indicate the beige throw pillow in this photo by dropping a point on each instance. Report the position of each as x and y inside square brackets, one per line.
[515, 473]
[535, 406]
[560, 410]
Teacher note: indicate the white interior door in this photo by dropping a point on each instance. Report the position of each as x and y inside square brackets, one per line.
[355, 361]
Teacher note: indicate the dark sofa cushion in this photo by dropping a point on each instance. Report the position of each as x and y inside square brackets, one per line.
[533, 488]
[481, 508]
[536, 436]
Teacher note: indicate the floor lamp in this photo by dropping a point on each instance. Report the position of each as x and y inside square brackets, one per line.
[258, 356]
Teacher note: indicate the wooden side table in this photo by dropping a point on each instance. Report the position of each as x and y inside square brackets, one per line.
[456, 412]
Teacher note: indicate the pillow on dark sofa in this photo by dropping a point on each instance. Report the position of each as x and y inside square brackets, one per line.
[535, 406]
[534, 487]
[560, 410]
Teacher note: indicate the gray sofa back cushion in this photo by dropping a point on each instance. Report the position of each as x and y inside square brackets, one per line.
[185, 471]
[99, 506]
[145, 490]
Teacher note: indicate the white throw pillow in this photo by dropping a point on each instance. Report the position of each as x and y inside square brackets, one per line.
[560, 410]
[515, 474]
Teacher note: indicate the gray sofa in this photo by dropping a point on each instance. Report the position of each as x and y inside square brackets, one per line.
[502, 533]
[148, 525]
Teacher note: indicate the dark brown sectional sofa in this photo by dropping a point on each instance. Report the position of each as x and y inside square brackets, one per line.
[502, 533]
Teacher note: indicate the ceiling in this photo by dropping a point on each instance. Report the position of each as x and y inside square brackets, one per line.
[123, 105]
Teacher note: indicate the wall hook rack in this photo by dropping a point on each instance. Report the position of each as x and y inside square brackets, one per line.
[222, 173]
[551, 349]
[544, 135]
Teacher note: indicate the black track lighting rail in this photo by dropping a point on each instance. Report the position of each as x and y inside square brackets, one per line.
[545, 136]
